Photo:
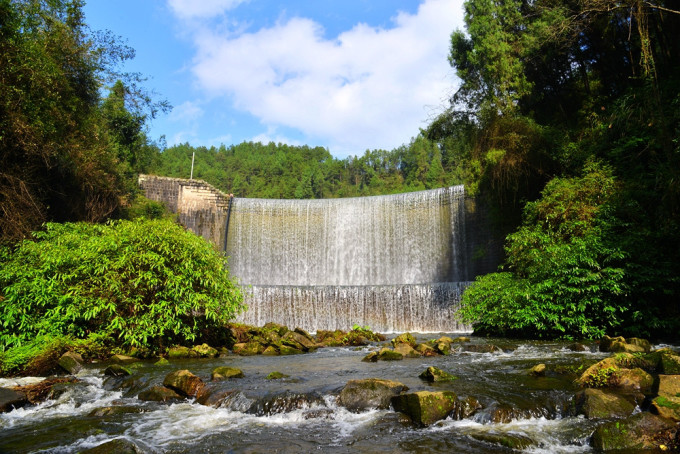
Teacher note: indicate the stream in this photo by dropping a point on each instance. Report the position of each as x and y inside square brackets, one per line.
[299, 414]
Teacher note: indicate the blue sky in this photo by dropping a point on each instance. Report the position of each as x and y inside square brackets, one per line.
[347, 75]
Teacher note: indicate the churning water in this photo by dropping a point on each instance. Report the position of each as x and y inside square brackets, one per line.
[394, 263]
[299, 414]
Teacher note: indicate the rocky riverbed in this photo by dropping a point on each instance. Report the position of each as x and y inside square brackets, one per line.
[354, 392]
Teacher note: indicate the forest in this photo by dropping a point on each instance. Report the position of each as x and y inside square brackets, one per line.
[566, 123]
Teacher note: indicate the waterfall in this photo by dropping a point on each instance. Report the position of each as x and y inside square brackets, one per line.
[394, 263]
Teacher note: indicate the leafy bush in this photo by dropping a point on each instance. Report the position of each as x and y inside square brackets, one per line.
[147, 283]
[564, 278]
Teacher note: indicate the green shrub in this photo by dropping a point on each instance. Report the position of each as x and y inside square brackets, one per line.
[146, 283]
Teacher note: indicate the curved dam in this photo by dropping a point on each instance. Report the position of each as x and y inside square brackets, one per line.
[393, 263]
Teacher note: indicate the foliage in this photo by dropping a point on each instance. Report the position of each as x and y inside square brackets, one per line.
[564, 278]
[143, 282]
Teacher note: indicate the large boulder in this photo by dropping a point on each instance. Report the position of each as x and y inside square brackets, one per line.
[249, 348]
[635, 433]
[633, 380]
[181, 353]
[116, 370]
[669, 364]
[606, 342]
[11, 399]
[206, 351]
[123, 359]
[406, 351]
[297, 339]
[599, 374]
[425, 407]
[71, 362]
[225, 373]
[667, 403]
[385, 354]
[406, 338]
[184, 382]
[597, 403]
[426, 350]
[159, 394]
[434, 374]
[364, 394]
[212, 396]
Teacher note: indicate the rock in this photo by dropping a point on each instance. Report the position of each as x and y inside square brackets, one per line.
[385, 354]
[425, 407]
[633, 380]
[577, 347]
[445, 339]
[443, 347]
[642, 343]
[181, 353]
[270, 351]
[482, 348]
[116, 370]
[213, 397]
[465, 408]
[122, 359]
[406, 338]
[38, 392]
[304, 333]
[635, 433]
[284, 403]
[71, 362]
[184, 382]
[280, 330]
[161, 362]
[667, 403]
[460, 339]
[117, 446]
[606, 342]
[599, 374]
[597, 403]
[669, 364]
[538, 370]
[159, 394]
[406, 351]
[286, 350]
[426, 350]
[224, 373]
[11, 399]
[365, 394]
[249, 349]
[372, 357]
[115, 410]
[620, 347]
[276, 376]
[300, 341]
[205, 351]
[433, 374]
[514, 441]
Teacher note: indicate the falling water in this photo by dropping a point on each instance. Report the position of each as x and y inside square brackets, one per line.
[394, 262]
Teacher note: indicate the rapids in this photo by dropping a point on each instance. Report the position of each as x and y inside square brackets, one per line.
[299, 414]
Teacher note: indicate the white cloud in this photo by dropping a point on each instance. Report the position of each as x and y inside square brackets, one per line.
[367, 88]
[201, 8]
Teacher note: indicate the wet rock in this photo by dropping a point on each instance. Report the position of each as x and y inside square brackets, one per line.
[11, 399]
[599, 374]
[425, 407]
[205, 351]
[71, 362]
[123, 359]
[624, 347]
[597, 403]
[406, 351]
[512, 441]
[669, 364]
[426, 350]
[285, 403]
[225, 373]
[116, 370]
[667, 403]
[249, 349]
[538, 370]
[181, 353]
[270, 351]
[577, 347]
[280, 330]
[276, 376]
[642, 343]
[38, 392]
[364, 394]
[482, 348]
[161, 362]
[633, 380]
[319, 413]
[434, 374]
[299, 341]
[385, 354]
[212, 396]
[445, 339]
[460, 339]
[406, 338]
[287, 350]
[372, 357]
[502, 413]
[443, 347]
[159, 394]
[637, 432]
[464, 408]
[115, 410]
[184, 382]
[117, 446]
[606, 342]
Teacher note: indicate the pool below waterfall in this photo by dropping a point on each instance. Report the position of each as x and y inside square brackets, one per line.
[299, 414]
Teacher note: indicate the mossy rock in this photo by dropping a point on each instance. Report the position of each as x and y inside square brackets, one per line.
[162, 362]
[225, 373]
[71, 362]
[405, 338]
[460, 339]
[599, 374]
[642, 343]
[669, 364]
[633, 380]
[124, 359]
[372, 357]
[445, 339]
[249, 349]
[597, 403]
[426, 350]
[280, 330]
[443, 347]
[365, 394]
[11, 399]
[606, 342]
[667, 407]
[206, 351]
[637, 432]
[276, 376]
[406, 351]
[425, 407]
[270, 351]
[183, 382]
[287, 350]
[116, 370]
[434, 374]
[181, 353]
[482, 348]
[159, 394]
[538, 370]
[516, 442]
[618, 347]
[577, 347]
[385, 354]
